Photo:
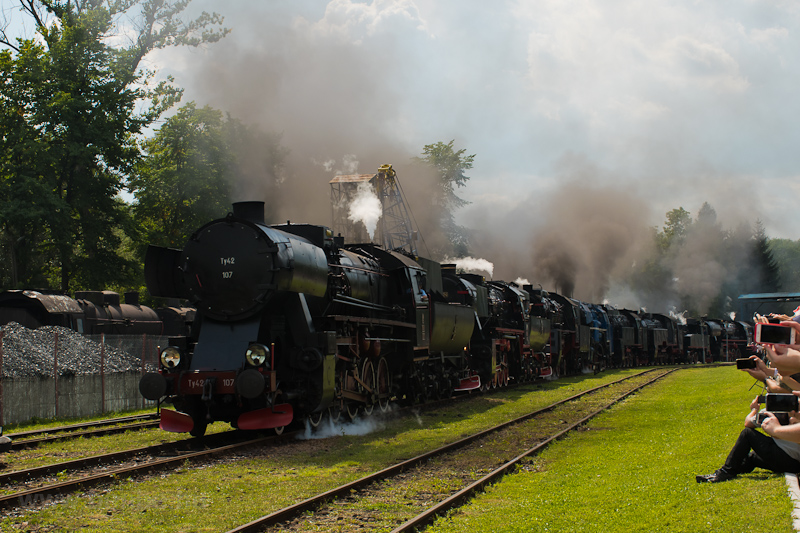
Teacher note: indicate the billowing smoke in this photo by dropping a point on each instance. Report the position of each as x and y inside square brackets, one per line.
[366, 207]
[472, 264]
[320, 80]
[591, 235]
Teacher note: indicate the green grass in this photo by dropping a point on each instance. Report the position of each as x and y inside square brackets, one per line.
[220, 497]
[634, 468]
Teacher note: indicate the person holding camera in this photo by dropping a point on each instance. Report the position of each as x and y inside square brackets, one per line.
[783, 354]
[778, 450]
[773, 379]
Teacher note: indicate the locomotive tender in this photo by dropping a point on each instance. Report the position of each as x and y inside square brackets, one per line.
[292, 324]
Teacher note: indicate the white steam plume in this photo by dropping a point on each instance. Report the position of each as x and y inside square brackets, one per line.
[366, 207]
[470, 264]
[329, 428]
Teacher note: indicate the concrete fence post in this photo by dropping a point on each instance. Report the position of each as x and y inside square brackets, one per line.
[2, 402]
[102, 372]
[55, 368]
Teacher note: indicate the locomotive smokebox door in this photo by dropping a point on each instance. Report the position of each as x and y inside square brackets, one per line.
[230, 270]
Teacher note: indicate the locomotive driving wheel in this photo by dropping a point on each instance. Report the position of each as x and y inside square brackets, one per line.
[315, 419]
[368, 386]
[383, 384]
[503, 380]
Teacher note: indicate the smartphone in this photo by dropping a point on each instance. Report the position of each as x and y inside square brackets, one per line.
[781, 402]
[741, 364]
[783, 418]
[774, 334]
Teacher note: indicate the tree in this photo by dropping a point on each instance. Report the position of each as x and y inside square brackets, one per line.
[786, 254]
[73, 97]
[768, 277]
[449, 165]
[186, 176]
[675, 228]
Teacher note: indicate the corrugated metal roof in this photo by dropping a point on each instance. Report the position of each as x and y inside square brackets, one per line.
[353, 178]
[54, 303]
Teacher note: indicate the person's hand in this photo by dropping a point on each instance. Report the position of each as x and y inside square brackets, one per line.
[785, 358]
[760, 375]
[754, 404]
[770, 423]
[792, 324]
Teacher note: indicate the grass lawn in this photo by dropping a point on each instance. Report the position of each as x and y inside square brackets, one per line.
[633, 469]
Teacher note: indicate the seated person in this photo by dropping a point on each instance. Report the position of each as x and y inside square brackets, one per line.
[779, 452]
[772, 378]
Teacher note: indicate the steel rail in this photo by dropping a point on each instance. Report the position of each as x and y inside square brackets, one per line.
[74, 465]
[463, 496]
[312, 503]
[82, 425]
[45, 492]
[30, 443]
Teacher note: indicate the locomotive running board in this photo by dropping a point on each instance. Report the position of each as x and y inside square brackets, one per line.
[470, 383]
[175, 422]
[269, 417]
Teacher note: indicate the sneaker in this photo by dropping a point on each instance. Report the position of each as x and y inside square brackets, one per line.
[716, 477]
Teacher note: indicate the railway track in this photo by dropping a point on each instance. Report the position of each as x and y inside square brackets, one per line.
[41, 484]
[421, 488]
[29, 439]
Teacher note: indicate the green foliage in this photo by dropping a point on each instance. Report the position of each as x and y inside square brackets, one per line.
[677, 224]
[449, 165]
[786, 254]
[185, 177]
[69, 120]
[702, 268]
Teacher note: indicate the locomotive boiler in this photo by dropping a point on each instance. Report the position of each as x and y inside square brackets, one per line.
[292, 324]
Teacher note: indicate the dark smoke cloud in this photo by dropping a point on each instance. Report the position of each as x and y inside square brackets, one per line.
[373, 96]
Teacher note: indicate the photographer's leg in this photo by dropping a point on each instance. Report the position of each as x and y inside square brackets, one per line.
[737, 461]
[769, 455]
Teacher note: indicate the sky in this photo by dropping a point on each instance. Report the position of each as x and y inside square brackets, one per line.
[674, 103]
[580, 113]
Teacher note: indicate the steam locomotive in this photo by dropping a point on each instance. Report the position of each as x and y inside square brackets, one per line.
[292, 324]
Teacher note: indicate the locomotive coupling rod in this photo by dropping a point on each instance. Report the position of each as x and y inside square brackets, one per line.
[366, 387]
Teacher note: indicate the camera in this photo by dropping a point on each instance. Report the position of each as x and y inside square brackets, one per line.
[741, 364]
[783, 418]
[774, 334]
[781, 402]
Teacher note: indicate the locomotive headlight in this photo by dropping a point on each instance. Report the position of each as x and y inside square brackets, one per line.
[257, 354]
[171, 357]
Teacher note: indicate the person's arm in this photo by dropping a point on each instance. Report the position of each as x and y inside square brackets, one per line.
[750, 419]
[785, 358]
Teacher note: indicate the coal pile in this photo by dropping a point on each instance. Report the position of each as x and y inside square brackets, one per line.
[30, 353]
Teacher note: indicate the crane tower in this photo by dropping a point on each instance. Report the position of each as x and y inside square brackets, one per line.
[394, 231]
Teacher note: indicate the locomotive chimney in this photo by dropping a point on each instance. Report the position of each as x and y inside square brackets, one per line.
[252, 211]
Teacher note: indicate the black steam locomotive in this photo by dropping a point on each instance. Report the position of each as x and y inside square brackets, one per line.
[292, 324]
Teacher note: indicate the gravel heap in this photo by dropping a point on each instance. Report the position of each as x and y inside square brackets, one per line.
[29, 353]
